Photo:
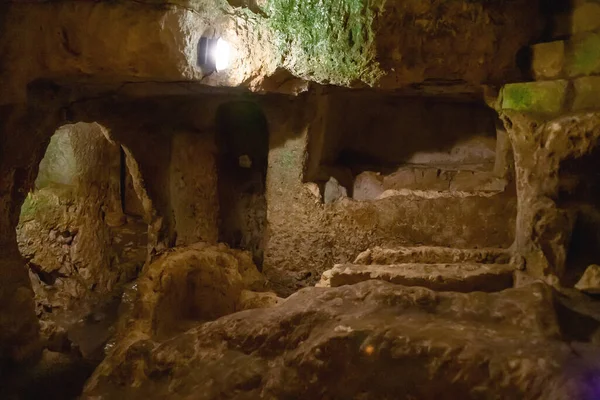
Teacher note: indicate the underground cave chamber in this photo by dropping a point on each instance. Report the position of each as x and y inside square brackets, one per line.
[374, 200]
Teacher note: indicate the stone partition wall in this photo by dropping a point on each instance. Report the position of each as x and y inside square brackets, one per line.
[194, 198]
[306, 236]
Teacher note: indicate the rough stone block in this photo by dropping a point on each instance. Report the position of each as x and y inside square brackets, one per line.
[543, 97]
[372, 340]
[583, 56]
[548, 59]
[586, 17]
[249, 300]
[587, 93]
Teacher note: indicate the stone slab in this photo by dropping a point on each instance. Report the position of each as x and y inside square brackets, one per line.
[540, 97]
[444, 277]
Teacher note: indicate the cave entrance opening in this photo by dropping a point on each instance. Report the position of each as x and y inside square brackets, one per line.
[83, 232]
[243, 150]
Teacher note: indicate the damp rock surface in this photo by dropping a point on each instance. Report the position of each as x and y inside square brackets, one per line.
[355, 342]
[380, 43]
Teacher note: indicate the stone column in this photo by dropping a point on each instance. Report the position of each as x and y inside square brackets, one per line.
[540, 145]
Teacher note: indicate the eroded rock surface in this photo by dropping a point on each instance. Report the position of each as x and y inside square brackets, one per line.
[549, 205]
[72, 231]
[379, 43]
[372, 340]
[461, 277]
[200, 282]
[429, 254]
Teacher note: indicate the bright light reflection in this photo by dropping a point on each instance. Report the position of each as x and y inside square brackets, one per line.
[222, 55]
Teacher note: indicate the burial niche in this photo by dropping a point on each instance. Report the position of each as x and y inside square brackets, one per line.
[371, 147]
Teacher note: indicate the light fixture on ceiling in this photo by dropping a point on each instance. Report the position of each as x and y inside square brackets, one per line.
[214, 54]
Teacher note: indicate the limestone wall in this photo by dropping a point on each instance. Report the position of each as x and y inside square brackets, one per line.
[193, 188]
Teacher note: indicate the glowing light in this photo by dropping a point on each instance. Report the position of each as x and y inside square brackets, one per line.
[221, 55]
[369, 350]
[214, 54]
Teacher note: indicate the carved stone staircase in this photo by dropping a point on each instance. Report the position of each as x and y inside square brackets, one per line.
[437, 268]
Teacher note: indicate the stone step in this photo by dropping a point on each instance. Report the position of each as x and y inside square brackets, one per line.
[462, 277]
[432, 255]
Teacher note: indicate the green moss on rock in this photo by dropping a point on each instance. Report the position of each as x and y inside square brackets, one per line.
[28, 208]
[48, 205]
[539, 97]
[326, 40]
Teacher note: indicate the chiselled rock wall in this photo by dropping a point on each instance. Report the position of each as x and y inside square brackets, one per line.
[307, 236]
[378, 43]
[544, 222]
[194, 188]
